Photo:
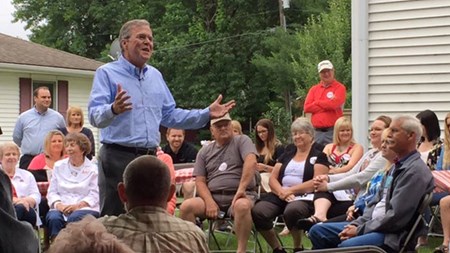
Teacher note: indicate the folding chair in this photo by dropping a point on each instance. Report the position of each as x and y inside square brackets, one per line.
[426, 200]
[357, 249]
[212, 238]
[435, 219]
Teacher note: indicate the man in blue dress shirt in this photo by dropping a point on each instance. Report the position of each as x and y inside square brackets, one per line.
[34, 124]
[129, 100]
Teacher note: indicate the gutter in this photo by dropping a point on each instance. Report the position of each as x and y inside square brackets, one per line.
[33, 69]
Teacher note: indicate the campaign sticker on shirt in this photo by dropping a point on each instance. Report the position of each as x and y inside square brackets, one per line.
[312, 160]
[330, 95]
[346, 157]
[223, 166]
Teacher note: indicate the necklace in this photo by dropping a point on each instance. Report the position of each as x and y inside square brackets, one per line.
[74, 170]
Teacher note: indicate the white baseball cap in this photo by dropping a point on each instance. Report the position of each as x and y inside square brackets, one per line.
[324, 65]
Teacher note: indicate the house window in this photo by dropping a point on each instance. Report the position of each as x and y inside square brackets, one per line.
[59, 91]
[51, 88]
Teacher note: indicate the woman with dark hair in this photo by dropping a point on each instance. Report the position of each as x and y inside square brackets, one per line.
[269, 149]
[429, 145]
[444, 158]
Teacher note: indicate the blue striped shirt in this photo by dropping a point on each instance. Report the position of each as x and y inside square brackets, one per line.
[152, 104]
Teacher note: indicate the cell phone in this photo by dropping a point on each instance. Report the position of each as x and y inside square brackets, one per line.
[221, 214]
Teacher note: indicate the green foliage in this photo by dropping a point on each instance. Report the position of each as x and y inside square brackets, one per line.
[210, 47]
[282, 122]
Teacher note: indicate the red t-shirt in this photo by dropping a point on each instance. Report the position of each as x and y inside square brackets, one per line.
[325, 104]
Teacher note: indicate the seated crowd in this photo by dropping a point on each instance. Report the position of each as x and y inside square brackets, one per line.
[342, 196]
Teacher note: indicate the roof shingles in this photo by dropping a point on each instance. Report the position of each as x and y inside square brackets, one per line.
[18, 51]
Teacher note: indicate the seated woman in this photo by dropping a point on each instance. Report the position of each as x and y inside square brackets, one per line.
[373, 186]
[445, 219]
[237, 128]
[342, 154]
[443, 163]
[73, 191]
[53, 151]
[429, 147]
[25, 186]
[292, 186]
[269, 149]
[74, 124]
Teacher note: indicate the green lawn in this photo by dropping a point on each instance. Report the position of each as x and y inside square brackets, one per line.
[433, 242]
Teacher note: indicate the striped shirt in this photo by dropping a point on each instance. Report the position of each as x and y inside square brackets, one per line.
[151, 229]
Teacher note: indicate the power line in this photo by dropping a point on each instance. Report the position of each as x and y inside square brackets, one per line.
[215, 40]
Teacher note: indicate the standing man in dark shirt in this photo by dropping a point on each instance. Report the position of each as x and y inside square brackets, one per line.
[177, 148]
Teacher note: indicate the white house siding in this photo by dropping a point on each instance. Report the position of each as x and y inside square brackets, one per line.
[407, 57]
[79, 90]
[9, 104]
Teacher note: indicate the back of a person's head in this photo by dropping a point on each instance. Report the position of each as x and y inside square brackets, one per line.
[87, 236]
[147, 180]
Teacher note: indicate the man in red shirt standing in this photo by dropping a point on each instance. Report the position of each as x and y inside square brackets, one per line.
[325, 101]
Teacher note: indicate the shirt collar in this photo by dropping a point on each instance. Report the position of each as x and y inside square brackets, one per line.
[133, 70]
[400, 162]
[147, 209]
[40, 113]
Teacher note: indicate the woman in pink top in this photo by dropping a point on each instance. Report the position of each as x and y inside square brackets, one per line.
[53, 151]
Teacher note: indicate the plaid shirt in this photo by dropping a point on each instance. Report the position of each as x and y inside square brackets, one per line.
[152, 229]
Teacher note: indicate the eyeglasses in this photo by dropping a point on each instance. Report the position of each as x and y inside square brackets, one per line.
[262, 132]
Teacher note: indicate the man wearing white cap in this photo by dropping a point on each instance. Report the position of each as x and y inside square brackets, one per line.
[224, 172]
[325, 101]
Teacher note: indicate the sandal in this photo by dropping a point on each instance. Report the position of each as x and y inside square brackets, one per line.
[441, 249]
[284, 232]
[307, 223]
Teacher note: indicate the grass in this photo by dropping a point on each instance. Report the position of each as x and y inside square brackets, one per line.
[433, 242]
[222, 238]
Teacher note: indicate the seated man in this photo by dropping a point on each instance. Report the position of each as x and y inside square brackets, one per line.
[387, 218]
[224, 173]
[181, 152]
[147, 227]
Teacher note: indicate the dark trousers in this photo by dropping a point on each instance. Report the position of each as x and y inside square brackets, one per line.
[111, 165]
[26, 215]
[25, 160]
[265, 211]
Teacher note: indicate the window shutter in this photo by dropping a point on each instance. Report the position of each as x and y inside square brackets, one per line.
[25, 94]
[63, 97]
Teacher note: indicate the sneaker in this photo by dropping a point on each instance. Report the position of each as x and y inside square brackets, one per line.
[279, 250]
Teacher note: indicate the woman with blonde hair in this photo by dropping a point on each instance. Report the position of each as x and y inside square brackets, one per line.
[344, 152]
[237, 128]
[443, 162]
[53, 151]
[74, 124]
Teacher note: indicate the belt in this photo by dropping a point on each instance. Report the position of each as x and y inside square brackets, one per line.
[134, 150]
[224, 192]
[323, 129]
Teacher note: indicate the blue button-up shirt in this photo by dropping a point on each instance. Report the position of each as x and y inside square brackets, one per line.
[32, 127]
[152, 104]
